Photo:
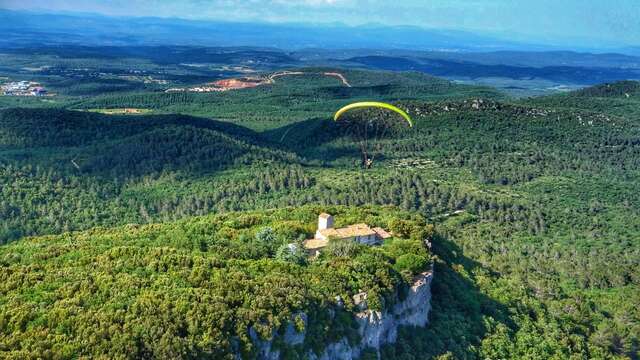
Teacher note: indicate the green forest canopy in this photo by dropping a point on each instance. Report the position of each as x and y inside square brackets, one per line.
[545, 192]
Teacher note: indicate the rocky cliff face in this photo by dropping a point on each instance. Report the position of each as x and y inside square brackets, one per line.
[376, 328]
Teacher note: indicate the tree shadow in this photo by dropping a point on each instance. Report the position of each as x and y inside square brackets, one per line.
[304, 134]
[308, 138]
[461, 315]
[320, 141]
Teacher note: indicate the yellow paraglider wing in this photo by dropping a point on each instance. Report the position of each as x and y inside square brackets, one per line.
[372, 104]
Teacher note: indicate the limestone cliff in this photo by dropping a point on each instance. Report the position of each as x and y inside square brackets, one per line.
[376, 328]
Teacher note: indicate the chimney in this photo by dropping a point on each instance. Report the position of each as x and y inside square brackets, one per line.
[325, 221]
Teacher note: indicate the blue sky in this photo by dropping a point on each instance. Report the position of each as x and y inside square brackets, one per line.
[560, 22]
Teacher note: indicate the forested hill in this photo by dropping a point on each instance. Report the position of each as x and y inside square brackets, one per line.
[65, 170]
[124, 146]
[534, 200]
[620, 98]
[620, 89]
[24, 127]
[206, 287]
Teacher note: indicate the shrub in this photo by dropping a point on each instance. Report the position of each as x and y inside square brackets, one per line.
[411, 263]
[291, 253]
[342, 248]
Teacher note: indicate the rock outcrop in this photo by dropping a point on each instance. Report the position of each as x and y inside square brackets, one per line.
[375, 328]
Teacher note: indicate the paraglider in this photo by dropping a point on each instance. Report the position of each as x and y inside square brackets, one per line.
[366, 104]
[377, 121]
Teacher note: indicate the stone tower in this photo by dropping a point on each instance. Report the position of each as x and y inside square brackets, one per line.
[325, 221]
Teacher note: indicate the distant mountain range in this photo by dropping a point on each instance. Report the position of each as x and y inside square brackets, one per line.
[21, 28]
[470, 58]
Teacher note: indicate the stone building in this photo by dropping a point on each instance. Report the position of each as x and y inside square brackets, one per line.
[360, 233]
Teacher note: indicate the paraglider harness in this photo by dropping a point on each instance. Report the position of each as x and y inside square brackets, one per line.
[368, 162]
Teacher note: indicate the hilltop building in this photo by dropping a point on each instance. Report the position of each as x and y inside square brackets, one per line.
[360, 233]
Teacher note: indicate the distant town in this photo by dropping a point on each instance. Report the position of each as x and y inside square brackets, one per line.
[23, 88]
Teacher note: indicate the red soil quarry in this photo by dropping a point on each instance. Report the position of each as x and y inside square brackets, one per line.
[233, 84]
[244, 83]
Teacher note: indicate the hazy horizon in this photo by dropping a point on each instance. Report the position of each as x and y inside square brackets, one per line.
[570, 24]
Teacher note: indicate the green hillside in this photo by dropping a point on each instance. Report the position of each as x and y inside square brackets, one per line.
[535, 203]
[188, 289]
[624, 89]
[621, 98]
